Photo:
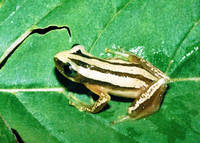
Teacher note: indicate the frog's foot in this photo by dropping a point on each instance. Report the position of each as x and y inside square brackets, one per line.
[121, 119]
[80, 105]
[95, 106]
[123, 55]
[117, 52]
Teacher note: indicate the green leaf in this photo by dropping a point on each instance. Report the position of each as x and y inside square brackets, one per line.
[34, 96]
[6, 135]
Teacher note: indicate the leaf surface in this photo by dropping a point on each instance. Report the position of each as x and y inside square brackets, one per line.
[34, 96]
[6, 135]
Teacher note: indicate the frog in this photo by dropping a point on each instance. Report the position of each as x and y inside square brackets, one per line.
[127, 76]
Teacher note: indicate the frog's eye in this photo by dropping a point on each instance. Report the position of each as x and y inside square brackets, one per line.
[78, 52]
[68, 70]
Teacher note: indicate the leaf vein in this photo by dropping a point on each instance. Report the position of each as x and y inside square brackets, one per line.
[108, 24]
[33, 90]
[180, 44]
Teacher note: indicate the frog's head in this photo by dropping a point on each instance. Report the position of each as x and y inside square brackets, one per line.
[65, 62]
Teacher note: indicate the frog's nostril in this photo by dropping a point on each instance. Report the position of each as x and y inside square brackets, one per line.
[59, 64]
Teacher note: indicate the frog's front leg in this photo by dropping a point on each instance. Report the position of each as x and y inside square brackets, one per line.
[125, 55]
[149, 101]
[104, 98]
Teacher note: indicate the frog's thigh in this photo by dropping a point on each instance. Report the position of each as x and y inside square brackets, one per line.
[104, 98]
[149, 102]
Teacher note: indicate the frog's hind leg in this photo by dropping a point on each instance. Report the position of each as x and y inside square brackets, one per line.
[104, 98]
[149, 102]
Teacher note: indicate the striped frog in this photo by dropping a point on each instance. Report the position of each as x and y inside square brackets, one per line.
[133, 77]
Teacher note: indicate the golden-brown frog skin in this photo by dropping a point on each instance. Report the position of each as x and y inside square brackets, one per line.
[133, 78]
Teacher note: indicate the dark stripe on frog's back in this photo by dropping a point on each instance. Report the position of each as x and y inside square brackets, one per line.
[91, 67]
[106, 61]
[142, 65]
